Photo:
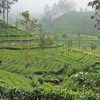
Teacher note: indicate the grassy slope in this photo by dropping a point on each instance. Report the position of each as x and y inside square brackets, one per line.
[15, 61]
[11, 80]
[11, 33]
[73, 22]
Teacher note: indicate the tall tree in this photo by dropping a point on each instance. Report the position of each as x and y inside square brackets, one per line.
[29, 24]
[47, 16]
[58, 9]
[55, 11]
[96, 5]
[5, 6]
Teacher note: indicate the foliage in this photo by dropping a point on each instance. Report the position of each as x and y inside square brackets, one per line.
[5, 6]
[51, 80]
[87, 81]
[41, 93]
[96, 5]
[29, 24]
[16, 88]
[11, 80]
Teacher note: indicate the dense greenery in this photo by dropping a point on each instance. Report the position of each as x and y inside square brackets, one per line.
[17, 87]
[76, 75]
[41, 66]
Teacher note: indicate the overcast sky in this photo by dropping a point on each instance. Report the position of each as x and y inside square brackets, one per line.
[36, 6]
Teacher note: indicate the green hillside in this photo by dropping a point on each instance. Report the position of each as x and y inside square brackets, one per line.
[73, 22]
[48, 67]
[59, 75]
[11, 80]
[11, 33]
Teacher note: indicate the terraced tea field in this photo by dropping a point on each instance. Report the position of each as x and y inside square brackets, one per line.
[48, 73]
[54, 58]
[30, 72]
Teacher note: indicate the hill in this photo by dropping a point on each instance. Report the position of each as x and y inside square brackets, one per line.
[73, 22]
[11, 80]
[55, 71]
[50, 78]
[13, 33]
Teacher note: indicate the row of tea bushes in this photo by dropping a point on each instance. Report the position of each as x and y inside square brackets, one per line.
[46, 94]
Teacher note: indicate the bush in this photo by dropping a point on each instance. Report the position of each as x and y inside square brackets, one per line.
[50, 93]
[85, 80]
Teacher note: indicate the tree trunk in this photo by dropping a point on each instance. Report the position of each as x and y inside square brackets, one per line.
[16, 24]
[4, 12]
[79, 40]
[7, 13]
[43, 57]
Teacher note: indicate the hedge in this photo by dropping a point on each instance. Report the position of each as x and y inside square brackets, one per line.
[42, 94]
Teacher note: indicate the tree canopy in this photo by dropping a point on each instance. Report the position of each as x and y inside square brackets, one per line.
[96, 6]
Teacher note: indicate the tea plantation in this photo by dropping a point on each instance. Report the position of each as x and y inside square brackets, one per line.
[55, 72]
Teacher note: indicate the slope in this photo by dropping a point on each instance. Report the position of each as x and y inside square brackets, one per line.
[73, 22]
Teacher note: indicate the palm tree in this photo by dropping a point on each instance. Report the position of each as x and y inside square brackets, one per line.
[29, 24]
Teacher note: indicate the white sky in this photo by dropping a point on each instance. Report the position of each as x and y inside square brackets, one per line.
[36, 6]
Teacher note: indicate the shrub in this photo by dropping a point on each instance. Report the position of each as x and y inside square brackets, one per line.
[85, 80]
[45, 93]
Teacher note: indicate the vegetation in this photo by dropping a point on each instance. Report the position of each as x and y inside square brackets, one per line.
[35, 65]
[73, 22]
[5, 6]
